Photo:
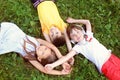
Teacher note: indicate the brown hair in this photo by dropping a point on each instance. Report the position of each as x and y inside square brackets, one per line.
[33, 56]
[50, 59]
[59, 41]
[72, 26]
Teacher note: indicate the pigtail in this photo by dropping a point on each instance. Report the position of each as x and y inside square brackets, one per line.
[30, 55]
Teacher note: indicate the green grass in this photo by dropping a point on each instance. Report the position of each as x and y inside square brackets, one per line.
[103, 14]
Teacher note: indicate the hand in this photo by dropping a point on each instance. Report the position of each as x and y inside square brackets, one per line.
[70, 20]
[66, 66]
[71, 61]
[64, 72]
[48, 67]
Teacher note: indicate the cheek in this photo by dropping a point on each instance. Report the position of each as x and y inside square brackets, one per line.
[51, 37]
[46, 52]
[72, 37]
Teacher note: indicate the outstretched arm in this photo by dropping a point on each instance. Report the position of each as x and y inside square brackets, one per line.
[81, 21]
[47, 38]
[60, 61]
[69, 46]
[57, 52]
[40, 67]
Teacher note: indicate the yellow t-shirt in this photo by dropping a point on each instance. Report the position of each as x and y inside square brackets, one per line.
[49, 16]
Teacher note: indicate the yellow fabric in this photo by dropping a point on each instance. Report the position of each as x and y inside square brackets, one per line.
[49, 16]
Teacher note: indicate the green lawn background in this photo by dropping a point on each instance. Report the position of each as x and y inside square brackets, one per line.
[103, 14]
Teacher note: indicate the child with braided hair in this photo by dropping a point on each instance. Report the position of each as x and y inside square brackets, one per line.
[37, 51]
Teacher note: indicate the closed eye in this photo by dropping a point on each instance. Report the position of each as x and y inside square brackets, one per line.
[45, 48]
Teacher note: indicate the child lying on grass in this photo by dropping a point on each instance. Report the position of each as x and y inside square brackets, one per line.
[86, 44]
[37, 51]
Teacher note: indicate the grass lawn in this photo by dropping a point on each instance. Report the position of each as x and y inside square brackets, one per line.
[103, 14]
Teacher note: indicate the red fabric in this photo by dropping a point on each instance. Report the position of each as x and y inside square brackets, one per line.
[111, 68]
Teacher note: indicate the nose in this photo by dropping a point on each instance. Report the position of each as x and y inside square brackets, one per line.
[76, 35]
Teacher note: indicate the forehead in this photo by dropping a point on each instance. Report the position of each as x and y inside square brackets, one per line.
[74, 30]
[41, 47]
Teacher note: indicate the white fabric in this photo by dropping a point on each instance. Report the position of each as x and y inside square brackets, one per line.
[12, 39]
[93, 51]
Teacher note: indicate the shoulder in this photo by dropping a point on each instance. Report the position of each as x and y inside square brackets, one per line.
[89, 36]
[8, 25]
[76, 48]
[33, 40]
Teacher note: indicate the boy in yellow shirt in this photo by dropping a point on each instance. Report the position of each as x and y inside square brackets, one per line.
[53, 27]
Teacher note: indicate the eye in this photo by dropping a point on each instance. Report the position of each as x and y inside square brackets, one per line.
[77, 31]
[45, 48]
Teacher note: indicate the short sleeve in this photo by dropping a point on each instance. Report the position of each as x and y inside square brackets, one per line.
[89, 36]
[77, 49]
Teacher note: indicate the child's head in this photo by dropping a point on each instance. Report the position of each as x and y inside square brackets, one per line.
[56, 37]
[45, 55]
[42, 53]
[75, 32]
[59, 41]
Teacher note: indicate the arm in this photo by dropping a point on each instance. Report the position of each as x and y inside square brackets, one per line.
[51, 46]
[82, 21]
[69, 46]
[47, 37]
[37, 65]
[57, 52]
[60, 61]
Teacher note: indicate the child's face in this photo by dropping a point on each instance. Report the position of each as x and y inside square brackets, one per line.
[54, 32]
[43, 52]
[76, 35]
